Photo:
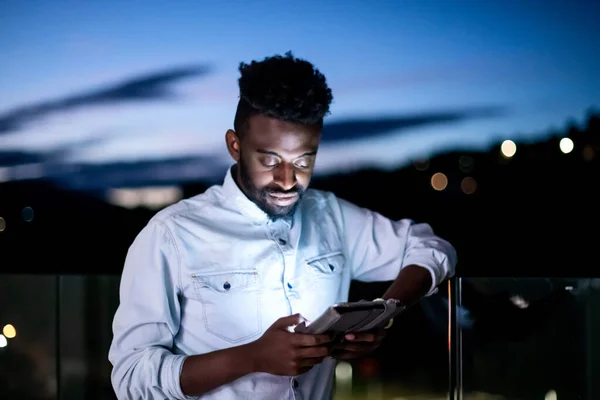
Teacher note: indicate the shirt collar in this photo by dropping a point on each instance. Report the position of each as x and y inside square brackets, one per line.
[239, 202]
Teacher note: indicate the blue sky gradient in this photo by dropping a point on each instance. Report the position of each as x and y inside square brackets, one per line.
[383, 59]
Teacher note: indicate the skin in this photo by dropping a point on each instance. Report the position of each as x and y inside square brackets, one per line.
[274, 158]
[274, 165]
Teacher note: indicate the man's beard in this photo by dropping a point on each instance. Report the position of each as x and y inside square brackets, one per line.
[260, 196]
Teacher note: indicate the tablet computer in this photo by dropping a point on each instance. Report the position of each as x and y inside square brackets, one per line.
[350, 317]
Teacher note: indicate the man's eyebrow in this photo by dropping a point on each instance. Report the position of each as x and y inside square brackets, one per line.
[272, 153]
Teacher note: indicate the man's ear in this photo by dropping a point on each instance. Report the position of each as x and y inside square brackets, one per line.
[233, 145]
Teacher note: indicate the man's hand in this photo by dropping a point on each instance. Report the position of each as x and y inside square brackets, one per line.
[281, 352]
[355, 345]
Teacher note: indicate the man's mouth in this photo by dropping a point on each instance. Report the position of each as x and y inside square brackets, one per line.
[283, 199]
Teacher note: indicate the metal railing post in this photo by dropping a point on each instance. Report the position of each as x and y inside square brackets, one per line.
[455, 388]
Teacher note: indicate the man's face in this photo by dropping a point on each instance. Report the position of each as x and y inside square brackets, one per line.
[275, 161]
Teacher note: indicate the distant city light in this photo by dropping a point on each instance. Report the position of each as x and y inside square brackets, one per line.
[519, 301]
[3, 341]
[439, 181]
[160, 197]
[25, 171]
[343, 372]
[128, 198]
[468, 185]
[151, 197]
[588, 153]
[508, 148]
[9, 331]
[2, 224]
[551, 395]
[27, 214]
[4, 174]
[566, 145]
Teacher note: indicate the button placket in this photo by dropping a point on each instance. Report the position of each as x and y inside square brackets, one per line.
[280, 233]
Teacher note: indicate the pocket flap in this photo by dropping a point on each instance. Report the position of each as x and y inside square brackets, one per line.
[227, 281]
[328, 263]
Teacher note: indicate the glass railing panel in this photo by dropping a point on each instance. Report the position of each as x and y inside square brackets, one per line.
[28, 327]
[88, 304]
[530, 338]
[521, 339]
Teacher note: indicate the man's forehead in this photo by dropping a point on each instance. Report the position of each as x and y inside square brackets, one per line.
[260, 124]
[285, 137]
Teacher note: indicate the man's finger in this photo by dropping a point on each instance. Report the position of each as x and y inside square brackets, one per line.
[361, 337]
[344, 355]
[308, 340]
[312, 352]
[356, 347]
[353, 347]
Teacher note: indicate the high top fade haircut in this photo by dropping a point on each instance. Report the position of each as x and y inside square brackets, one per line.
[282, 87]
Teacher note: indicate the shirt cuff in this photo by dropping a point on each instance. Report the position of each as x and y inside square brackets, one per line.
[173, 373]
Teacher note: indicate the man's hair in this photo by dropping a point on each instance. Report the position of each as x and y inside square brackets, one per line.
[282, 87]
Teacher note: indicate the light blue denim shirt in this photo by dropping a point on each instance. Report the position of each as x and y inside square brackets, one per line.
[213, 271]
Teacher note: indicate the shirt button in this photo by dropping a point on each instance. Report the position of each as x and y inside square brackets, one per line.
[282, 242]
[289, 285]
[295, 383]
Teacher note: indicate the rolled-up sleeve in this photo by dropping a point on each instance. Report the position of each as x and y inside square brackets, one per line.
[378, 247]
[147, 319]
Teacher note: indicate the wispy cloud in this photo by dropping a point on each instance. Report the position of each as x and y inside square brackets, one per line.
[57, 154]
[360, 128]
[55, 163]
[142, 173]
[150, 87]
[19, 157]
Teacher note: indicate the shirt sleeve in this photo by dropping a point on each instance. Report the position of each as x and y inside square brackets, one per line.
[379, 247]
[147, 319]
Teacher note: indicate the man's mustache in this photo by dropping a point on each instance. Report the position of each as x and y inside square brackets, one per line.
[286, 192]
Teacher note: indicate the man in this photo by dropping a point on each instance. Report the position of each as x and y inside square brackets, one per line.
[212, 285]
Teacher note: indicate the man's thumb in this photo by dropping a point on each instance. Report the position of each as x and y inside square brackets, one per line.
[290, 320]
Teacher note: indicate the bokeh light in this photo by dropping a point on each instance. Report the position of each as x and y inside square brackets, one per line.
[439, 181]
[27, 214]
[9, 331]
[468, 185]
[343, 372]
[508, 148]
[588, 153]
[566, 145]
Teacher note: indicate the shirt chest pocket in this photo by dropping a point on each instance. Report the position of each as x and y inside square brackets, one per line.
[327, 266]
[230, 302]
[326, 272]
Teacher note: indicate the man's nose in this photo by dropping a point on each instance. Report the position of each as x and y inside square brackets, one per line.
[285, 176]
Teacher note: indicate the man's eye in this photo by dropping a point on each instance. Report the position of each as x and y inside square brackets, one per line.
[304, 163]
